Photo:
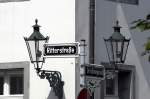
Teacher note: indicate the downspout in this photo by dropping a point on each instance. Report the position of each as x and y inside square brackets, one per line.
[91, 31]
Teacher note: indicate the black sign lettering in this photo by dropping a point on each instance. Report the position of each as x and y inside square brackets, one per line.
[55, 50]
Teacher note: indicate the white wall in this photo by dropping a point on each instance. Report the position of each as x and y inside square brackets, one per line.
[57, 20]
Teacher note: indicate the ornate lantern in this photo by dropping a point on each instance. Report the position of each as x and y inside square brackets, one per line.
[35, 44]
[117, 46]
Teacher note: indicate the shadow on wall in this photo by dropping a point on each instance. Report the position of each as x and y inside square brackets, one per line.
[53, 96]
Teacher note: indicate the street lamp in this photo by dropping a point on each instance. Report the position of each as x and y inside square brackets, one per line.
[35, 44]
[117, 46]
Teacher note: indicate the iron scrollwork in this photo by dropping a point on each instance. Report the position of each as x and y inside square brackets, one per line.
[55, 80]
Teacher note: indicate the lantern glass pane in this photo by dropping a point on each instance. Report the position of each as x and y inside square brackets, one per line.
[109, 47]
[114, 46]
[31, 50]
[118, 52]
[115, 50]
[125, 48]
[35, 49]
[40, 50]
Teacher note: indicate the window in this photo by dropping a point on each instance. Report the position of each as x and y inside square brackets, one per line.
[14, 80]
[1, 85]
[11, 81]
[111, 86]
[16, 84]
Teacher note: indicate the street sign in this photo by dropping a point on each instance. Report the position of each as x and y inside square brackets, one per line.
[61, 50]
[94, 70]
[92, 76]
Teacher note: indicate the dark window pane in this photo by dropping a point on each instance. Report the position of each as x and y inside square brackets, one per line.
[110, 86]
[16, 85]
[1, 85]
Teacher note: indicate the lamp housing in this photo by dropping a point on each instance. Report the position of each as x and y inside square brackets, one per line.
[35, 43]
[117, 46]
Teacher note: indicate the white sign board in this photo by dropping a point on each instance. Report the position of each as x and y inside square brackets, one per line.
[61, 50]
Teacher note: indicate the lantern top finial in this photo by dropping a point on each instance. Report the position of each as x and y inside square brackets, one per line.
[36, 35]
[36, 21]
[36, 27]
[117, 27]
[117, 23]
[117, 35]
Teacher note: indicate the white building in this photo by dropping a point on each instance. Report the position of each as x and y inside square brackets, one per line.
[18, 78]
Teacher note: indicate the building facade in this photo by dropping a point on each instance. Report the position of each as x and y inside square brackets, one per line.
[18, 78]
[94, 22]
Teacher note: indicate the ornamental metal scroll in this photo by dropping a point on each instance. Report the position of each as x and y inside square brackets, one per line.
[54, 79]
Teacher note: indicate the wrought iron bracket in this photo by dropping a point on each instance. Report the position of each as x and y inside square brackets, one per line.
[55, 80]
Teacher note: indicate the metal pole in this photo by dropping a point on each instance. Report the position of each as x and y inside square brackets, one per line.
[82, 52]
[91, 31]
[92, 97]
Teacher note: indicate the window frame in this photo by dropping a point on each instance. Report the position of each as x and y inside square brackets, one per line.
[26, 75]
